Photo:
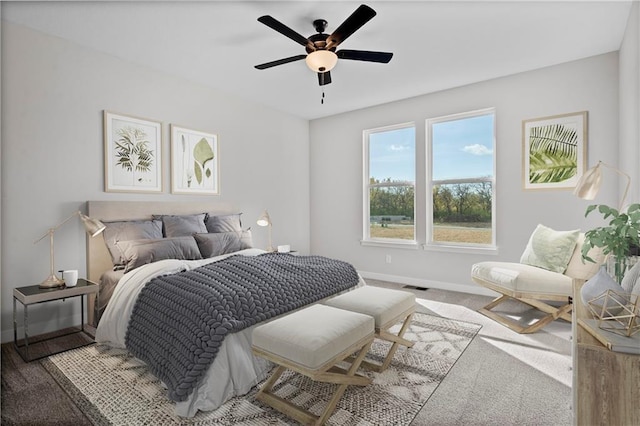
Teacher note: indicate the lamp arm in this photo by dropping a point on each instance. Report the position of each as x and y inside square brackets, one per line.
[626, 189]
[52, 230]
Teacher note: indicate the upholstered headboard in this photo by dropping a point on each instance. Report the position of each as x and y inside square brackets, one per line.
[98, 258]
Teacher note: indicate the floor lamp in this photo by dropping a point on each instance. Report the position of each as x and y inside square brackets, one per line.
[92, 226]
[589, 184]
[265, 220]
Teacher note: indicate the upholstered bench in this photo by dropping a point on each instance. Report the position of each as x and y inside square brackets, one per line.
[387, 307]
[311, 342]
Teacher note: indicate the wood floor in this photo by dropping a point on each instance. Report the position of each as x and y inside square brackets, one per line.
[30, 396]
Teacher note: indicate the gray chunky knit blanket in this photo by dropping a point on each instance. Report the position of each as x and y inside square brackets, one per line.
[179, 321]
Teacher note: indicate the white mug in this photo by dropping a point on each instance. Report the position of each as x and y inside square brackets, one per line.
[70, 277]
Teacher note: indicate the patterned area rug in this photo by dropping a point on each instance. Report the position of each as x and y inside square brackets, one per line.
[112, 387]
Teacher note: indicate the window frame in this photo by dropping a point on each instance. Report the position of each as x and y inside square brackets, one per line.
[430, 244]
[366, 210]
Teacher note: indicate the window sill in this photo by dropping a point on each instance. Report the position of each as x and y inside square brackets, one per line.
[489, 250]
[411, 245]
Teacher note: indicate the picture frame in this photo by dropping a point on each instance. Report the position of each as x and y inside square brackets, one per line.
[554, 151]
[195, 167]
[132, 154]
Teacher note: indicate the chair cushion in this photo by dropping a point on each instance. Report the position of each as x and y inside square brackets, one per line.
[382, 304]
[312, 336]
[523, 278]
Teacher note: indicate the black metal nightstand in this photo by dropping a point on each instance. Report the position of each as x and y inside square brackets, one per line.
[33, 294]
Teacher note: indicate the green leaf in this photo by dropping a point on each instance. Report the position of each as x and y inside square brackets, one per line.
[590, 209]
[202, 152]
[198, 171]
[553, 153]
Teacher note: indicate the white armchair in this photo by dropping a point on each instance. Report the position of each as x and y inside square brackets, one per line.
[534, 286]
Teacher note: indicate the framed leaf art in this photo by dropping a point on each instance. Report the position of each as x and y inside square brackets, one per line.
[554, 151]
[194, 162]
[132, 154]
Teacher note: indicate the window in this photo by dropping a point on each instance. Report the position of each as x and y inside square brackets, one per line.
[389, 184]
[460, 179]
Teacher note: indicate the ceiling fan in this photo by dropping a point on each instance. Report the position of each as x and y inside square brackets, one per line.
[321, 54]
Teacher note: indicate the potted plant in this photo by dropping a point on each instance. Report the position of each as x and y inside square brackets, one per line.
[618, 239]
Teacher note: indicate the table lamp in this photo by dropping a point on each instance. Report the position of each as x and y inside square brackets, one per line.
[265, 220]
[92, 226]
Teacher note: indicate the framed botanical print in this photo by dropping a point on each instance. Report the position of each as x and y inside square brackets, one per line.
[132, 154]
[554, 151]
[195, 167]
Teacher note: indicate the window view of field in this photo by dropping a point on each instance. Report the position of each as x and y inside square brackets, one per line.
[461, 213]
[454, 232]
[460, 174]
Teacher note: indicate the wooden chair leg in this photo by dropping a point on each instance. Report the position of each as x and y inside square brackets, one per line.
[553, 313]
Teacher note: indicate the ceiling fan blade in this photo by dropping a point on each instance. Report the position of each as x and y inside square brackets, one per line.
[324, 78]
[361, 16]
[365, 55]
[273, 23]
[280, 62]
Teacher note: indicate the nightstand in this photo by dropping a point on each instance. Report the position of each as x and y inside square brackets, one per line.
[33, 294]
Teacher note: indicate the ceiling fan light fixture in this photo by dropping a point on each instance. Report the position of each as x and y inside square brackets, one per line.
[321, 60]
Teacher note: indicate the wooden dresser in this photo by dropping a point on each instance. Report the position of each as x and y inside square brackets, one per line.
[606, 384]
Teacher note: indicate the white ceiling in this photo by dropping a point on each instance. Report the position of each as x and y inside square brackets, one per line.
[436, 45]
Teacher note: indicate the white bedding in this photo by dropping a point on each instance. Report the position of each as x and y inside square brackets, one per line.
[234, 371]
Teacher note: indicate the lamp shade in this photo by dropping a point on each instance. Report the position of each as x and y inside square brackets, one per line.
[589, 184]
[91, 225]
[264, 219]
[321, 60]
[93, 228]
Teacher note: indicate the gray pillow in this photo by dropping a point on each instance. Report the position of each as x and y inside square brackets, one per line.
[182, 225]
[224, 223]
[596, 286]
[128, 230]
[218, 243]
[141, 252]
[631, 278]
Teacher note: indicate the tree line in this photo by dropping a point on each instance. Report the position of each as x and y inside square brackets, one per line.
[458, 202]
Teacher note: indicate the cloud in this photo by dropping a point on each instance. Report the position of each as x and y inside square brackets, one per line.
[477, 149]
[394, 147]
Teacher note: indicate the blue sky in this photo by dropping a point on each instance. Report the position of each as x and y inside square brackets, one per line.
[461, 149]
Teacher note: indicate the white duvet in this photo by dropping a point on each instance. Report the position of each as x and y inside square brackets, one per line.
[234, 371]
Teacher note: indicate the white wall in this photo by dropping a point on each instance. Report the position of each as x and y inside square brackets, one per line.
[336, 167]
[52, 155]
[630, 104]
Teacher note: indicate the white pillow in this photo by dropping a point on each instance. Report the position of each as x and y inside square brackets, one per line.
[550, 249]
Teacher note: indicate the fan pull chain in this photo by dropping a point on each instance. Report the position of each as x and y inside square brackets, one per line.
[322, 99]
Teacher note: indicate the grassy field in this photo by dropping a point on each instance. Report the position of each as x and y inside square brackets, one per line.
[459, 233]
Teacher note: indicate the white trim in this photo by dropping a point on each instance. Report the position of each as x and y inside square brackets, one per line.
[389, 243]
[366, 212]
[429, 244]
[451, 248]
[418, 282]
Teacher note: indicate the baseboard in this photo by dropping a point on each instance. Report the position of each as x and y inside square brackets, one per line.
[418, 282]
[42, 327]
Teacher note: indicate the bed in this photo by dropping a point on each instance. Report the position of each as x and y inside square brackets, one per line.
[234, 370]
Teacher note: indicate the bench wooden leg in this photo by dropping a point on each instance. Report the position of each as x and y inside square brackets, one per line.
[396, 339]
[332, 374]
